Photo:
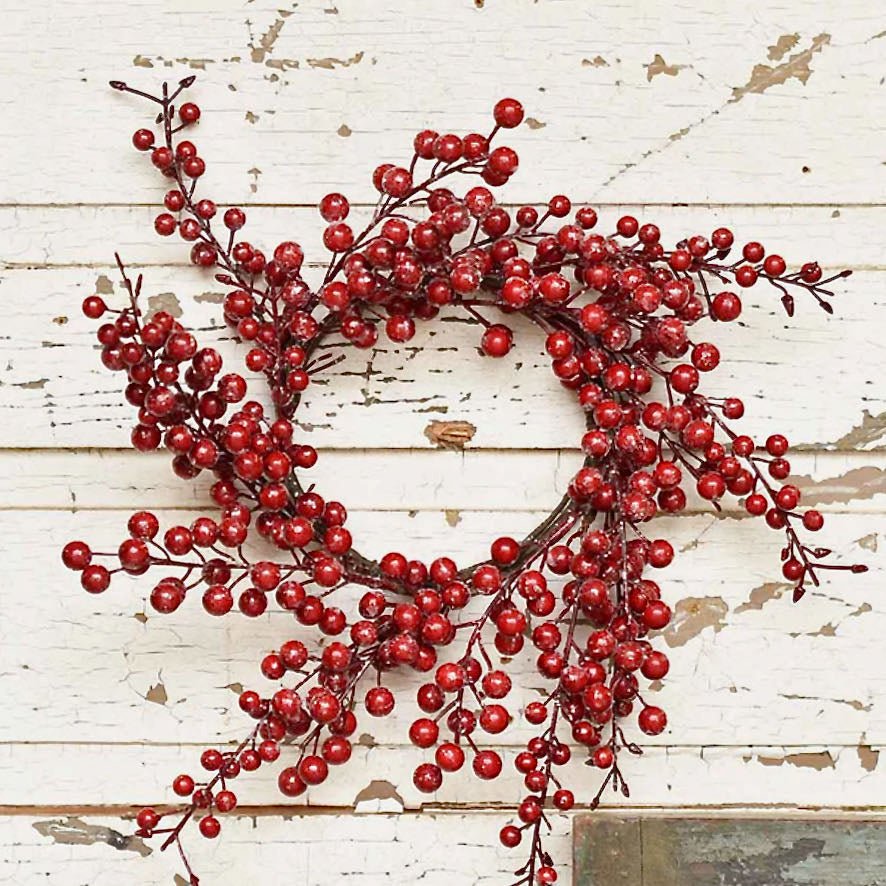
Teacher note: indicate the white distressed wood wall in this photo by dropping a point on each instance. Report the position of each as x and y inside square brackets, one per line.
[766, 116]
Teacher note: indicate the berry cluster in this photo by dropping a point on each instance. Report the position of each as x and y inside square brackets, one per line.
[617, 311]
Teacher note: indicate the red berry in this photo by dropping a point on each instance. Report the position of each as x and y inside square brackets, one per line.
[813, 520]
[95, 579]
[657, 615]
[427, 778]
[745, 276]
[450, 757]
[497, 341]
[234, 219]
[183, 785]
[722, 238]
[225, 801]
[290, 782]
[508, 113]
[776, 445]
[774, 265]
[313, 769]
[652, 720]
[94, 306]
[510, 836]
[189, 112]
[503, 161]
[423, 732]
[487, 765]
[379, 701]
[165, 224]
[147, 819]
[210, 827]
[76, 555]
[289, 256]
[143, 139]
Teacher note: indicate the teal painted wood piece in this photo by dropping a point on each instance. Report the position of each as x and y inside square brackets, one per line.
[670, 851]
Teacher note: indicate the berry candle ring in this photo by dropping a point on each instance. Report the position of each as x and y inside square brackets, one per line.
[618, 312]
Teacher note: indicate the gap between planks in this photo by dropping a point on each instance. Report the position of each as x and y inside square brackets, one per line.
[598, 204]
[752, 810]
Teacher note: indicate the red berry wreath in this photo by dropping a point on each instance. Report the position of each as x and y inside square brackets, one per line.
[616, 310]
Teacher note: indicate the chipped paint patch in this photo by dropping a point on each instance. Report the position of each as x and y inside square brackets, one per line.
[868, 542]
[379, 796]
[532, 123]
[764, 77]
[869, 430]
[692, 615]
[36, 385]
[76, 832]
[858, 483]
[283, 64]
[868, 757]
[157, 694]
[344, 130]
[782, 47]
[104, 285]
[453, 517]
[596, 62]
[817, 760]
[450, 434]
[165, 301]
[211, 298]
[826, 630]
[330, 63]
[659, 66]
[260, 52]
[761, 595]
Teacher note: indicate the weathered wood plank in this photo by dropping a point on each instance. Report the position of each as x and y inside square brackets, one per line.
[75, 235]
[295, 94]
[55, 392]
[378, 778]
[747, 667]
[436, 849]
[672, 851]
[393, 480]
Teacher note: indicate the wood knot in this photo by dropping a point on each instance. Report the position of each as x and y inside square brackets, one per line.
[450, 434]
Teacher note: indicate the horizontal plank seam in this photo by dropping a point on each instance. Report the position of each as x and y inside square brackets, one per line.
[836, 746]
[813, 449]
[851, 812]
[850, 204]
[417, 509]
[386, 448]
[827, 267]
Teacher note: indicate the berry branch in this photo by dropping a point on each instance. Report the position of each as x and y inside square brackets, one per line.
[615, 311]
